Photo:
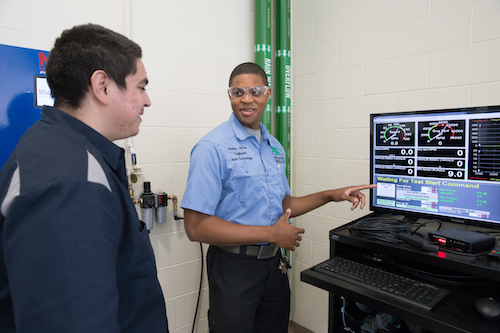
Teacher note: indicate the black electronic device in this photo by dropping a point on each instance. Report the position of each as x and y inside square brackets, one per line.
[494, 254]
[462, 240]
[437, 164]
[488, 308]
[418, 241]
[388, 285]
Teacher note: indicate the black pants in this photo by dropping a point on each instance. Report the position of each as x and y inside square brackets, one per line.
[247, 295]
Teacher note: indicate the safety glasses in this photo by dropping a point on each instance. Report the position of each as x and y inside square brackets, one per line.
[237, 92]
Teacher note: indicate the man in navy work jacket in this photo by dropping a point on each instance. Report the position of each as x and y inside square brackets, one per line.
[74, 256]
[235, 197]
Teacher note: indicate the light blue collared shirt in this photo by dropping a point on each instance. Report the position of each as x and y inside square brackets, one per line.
[232, 177]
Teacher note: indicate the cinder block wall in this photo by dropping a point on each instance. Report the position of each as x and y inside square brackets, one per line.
[189, 50]
[352, 58]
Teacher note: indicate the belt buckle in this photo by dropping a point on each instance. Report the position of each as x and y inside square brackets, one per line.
[267, 251]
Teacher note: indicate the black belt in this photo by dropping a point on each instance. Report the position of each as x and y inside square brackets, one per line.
[259, 251]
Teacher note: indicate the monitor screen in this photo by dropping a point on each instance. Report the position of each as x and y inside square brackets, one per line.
[442, 164]
[42, 92]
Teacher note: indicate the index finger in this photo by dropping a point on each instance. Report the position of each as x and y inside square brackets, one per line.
[365, 187]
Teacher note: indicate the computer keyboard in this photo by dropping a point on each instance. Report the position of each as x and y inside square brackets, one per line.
[391, 285]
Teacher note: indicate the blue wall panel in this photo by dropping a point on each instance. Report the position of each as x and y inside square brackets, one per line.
[18, 112]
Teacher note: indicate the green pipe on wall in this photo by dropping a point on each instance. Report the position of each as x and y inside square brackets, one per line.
[263, 49]
[283, 79]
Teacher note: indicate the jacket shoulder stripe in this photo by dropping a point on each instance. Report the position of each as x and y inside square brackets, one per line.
[95, 173]
[13, 191]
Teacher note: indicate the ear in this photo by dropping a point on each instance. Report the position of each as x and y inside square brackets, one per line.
[268, 94]
[99, 82]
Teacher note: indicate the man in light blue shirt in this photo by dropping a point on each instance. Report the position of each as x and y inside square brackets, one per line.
[238, 200]
[235, 173]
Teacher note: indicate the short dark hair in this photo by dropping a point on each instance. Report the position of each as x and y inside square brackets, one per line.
[248, 68]
[82, 50]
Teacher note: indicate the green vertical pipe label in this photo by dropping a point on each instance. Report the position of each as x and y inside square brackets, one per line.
[263, 49]
[283, 83]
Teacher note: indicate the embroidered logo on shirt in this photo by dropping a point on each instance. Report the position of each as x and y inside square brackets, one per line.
[275, 151]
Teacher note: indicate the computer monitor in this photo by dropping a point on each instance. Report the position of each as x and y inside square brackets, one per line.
[437, 164]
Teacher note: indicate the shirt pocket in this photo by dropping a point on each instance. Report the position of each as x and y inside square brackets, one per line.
[247, 182]
[277, 177]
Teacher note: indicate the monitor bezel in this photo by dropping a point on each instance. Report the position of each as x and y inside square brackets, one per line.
[411, 215]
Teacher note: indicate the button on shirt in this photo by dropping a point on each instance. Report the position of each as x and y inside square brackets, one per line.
[234, 178]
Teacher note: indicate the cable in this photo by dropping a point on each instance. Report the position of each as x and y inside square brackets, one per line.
[346, 328]
[382, 228]
[444, 279]
[418, 241]
[391, 230]
[199, 289]
[425, 225]
[352, 318]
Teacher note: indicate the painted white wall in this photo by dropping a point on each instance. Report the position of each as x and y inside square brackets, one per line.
[189, 49]
[351, 58]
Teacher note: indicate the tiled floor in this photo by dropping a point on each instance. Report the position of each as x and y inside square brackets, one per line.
[296, 328]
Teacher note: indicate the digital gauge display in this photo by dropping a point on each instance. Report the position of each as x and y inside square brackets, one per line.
[395, 134]
[442, 133]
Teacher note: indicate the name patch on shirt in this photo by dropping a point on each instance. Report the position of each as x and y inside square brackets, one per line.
[239, 153]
